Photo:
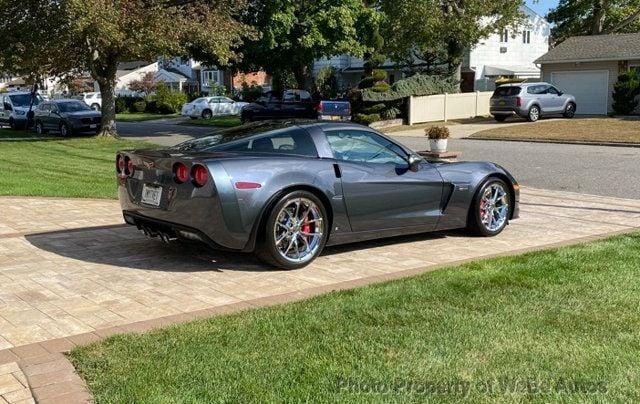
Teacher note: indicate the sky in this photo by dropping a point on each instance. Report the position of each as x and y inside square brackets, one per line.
[542, 6]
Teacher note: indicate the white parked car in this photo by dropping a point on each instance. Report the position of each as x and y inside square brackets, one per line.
[207, 107]
[94, 100]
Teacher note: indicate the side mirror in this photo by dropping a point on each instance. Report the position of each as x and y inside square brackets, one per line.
[8, 107]
[414, 162]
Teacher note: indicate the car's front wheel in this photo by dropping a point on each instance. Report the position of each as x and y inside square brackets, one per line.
[64, 130]
[534, 114]
[570, 110]
[296, 231]
[490, 209]
[40, 130]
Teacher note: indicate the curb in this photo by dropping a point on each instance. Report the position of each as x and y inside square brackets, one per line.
[569, 142]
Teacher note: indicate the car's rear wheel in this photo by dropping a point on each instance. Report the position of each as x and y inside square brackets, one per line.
[534, 114]
[570, 110]
[207, 114]
[64, 130]
[500, 118]
[490, 210]
[40, 130]
[295, 232]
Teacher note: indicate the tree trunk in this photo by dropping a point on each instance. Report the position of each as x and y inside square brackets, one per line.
[108, 123]
[301, 73]
[456, 55]
[599, 16]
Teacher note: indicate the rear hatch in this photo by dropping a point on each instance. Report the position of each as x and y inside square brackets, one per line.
[506, 96]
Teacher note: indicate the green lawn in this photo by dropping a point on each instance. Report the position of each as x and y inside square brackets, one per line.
[143, 116]
[219, 121]
[76, 167]
[558, 325]
[6, 133]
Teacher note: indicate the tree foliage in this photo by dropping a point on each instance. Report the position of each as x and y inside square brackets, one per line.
[95, 35]
[145, 84]
[294, 33]
[440, 31]
[594, 17]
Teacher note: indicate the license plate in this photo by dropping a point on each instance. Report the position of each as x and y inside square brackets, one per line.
[502, 103]
[151, 194]
[93, 126]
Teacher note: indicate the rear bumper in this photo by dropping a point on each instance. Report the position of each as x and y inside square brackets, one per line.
[507, 111]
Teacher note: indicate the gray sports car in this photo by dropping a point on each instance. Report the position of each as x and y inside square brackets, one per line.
[285, 190]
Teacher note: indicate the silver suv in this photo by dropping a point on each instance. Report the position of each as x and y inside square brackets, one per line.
[531, 101]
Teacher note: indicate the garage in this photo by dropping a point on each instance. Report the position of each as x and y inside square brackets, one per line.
[591, 89]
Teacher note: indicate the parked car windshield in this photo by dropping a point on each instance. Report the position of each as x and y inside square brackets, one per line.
[24, 100]
[506, 91]
[73, 107]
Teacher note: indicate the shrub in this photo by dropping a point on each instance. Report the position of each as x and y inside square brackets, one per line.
[327, 82]
[416, 85]
[366, 82]
[437, 132]
[152, 107]
[216, 89]
[169, 101]
[250, 93]
[390, 113]
[625, 92]
[366, 119]
[138, 106]
[381, 87]
[379, 75]
[375, 109]
[121, 105]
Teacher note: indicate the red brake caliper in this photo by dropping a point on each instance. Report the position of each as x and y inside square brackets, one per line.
[306, 227]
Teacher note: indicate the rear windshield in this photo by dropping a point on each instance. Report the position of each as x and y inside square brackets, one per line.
[506, 91]
[258, 137]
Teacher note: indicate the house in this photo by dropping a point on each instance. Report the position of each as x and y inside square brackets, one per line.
[510, 53]
[588, 67]
[132, 71]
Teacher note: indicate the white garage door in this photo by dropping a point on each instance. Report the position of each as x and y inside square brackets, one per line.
[591, 89]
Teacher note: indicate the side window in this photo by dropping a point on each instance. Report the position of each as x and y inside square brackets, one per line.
[552, 90]
[364, 147]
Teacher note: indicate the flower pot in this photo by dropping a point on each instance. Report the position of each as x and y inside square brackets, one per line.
[438, 145]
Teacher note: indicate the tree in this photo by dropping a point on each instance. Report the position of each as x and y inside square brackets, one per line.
[593, 17]
[145, 84]
[441, 31]
[95, 35]
[295, 33]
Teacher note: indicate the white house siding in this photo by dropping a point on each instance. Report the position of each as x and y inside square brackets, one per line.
[611, 67]
[513, 54]
[122, 83]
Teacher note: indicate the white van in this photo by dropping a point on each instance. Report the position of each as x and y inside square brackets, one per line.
[14, 107]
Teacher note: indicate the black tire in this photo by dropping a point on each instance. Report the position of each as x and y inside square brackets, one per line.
[40, 130]
[534, 113]
[95, 107]
[64, 130]
[478, 209]
[246, 118]
[280, 224]
[12, 124]
[569, 111]
[500, 118]
[207, 114]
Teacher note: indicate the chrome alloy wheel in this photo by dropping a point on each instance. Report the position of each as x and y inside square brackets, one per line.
[494, 207]
[298, 230]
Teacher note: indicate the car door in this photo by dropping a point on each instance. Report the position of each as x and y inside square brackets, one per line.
[379, 190]
[42, 114]
[214, 105]
[556, 102]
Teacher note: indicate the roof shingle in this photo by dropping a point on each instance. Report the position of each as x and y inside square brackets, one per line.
[594, 48]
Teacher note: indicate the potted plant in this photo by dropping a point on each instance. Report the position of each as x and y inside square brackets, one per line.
[438, 136]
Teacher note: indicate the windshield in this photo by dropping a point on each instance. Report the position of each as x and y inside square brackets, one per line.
[73, 107]
[24, 100]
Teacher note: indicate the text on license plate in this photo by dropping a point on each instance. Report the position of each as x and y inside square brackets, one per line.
[151, 194]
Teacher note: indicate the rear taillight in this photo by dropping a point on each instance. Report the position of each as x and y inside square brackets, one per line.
[319, 108]
[130, 167]
[200, 175]
[518, 101]
[180, 173]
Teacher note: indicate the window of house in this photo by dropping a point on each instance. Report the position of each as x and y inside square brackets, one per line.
[526, 36]
[210, 76]
[504, 36]
[636, 68]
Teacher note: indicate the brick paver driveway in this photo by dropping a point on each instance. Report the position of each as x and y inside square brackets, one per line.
[71, 272]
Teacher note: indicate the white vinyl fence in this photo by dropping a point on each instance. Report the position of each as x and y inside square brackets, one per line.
[443, 107]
